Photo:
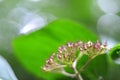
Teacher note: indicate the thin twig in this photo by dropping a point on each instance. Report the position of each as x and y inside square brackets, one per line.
[67, 74]
[78, 76]
[85, 65]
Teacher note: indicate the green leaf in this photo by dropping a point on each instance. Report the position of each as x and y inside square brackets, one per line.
[114, 59]
[115, 54]
[33, 49]
[105, 67]
[98, 68]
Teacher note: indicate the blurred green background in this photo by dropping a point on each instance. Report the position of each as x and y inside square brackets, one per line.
[98, 19]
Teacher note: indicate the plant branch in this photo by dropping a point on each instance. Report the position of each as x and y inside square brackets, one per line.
[67, 74]
[78, 76]
[85, 65]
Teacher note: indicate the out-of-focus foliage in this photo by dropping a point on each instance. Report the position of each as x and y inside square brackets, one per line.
[6, 72]
[85, 11]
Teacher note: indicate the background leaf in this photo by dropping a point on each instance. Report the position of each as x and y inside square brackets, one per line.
[114, 59]
[98, 68]
[104, 67]
[6, 72]
[33, 49]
